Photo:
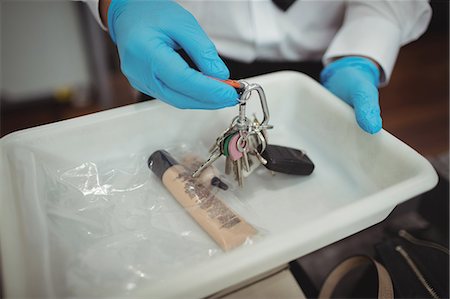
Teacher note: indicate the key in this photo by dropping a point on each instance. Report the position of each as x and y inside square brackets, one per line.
[259, 145]
[236, 157]
[242, 146]
[219, 140]
[216, 150]
[243, 139]
[258, 126]
[208, 177]
[228, 165]
[260, 158]
[287, 160]
[215, 154]
[238, 167]
[246, 160]
[254, 164]
[256, 140]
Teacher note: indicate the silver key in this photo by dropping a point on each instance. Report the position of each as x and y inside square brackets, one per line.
[235, 170]
[263, 142]
[215, 154]
[242, 146]
[235, 161]
[216, 150]
[239, 176]
[260, 158]
[222, 137]
[228, 165]
[258, 127]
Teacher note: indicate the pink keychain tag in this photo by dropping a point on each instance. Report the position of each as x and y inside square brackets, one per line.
[233, 151]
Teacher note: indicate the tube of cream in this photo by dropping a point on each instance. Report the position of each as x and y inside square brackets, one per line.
[227, 228]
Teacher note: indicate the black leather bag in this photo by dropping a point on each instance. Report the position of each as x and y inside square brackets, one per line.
[418, 267]
[405, 266]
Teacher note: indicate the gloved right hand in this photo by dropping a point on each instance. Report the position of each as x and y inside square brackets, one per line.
[355, 80]
[147, 33]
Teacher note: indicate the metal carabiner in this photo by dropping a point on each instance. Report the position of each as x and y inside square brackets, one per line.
[248, 88]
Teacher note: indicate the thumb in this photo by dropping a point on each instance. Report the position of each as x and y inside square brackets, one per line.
[367, 109]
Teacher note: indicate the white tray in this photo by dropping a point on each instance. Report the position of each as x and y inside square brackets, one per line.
[357, 182]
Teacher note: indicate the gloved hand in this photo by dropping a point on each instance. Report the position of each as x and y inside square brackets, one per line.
[147, 33]
[355, 80]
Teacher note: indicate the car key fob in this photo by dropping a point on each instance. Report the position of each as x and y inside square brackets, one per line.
[287, 160]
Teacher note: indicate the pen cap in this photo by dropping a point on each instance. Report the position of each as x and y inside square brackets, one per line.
[160, 161]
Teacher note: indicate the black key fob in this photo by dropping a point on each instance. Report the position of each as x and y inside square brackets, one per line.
[287, 160]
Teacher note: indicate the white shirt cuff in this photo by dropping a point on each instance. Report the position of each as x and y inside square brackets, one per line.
[372, 37]
[93, 7]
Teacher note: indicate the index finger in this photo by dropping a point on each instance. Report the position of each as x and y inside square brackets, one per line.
[176, 74]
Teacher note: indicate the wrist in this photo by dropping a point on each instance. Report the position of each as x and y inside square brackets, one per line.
[356, 56]
[103, 7]
[369, 67]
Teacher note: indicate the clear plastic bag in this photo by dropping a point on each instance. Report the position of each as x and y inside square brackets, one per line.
[118, 227]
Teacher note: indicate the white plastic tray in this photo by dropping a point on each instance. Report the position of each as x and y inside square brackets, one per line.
[357, 182]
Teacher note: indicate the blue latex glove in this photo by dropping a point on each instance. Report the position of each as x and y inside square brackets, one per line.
[355, 80]
[147, 33]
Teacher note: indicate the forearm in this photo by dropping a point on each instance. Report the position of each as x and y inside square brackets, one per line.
[377, 30]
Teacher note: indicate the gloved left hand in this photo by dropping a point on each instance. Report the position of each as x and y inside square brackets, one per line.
[355, 80]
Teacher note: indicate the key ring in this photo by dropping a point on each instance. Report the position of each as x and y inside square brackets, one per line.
[252, 137]
[245, 96]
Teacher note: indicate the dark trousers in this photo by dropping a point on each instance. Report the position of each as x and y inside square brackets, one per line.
[240, 70]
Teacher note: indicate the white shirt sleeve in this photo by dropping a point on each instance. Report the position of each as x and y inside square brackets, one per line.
[377, 29]
[93, 7]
